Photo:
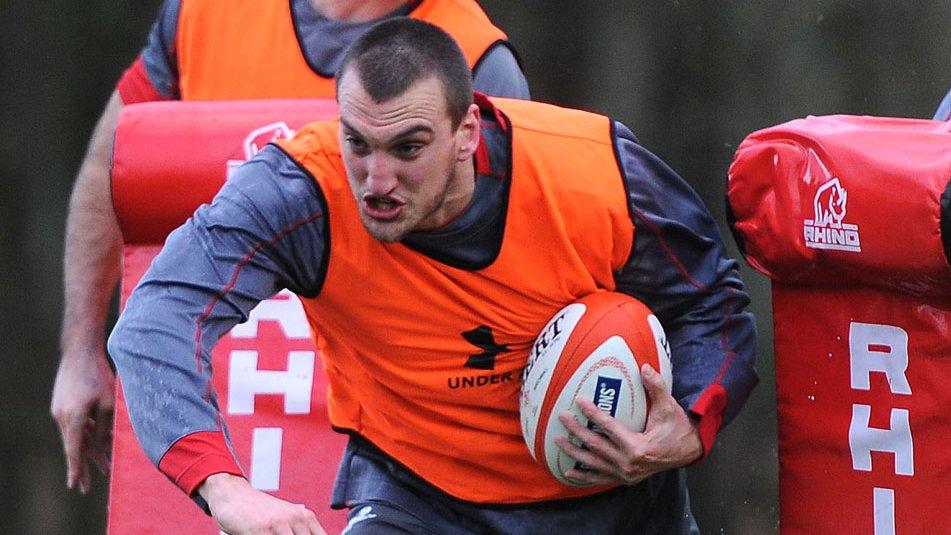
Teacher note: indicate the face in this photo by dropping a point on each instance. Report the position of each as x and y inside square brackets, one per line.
[408, 168]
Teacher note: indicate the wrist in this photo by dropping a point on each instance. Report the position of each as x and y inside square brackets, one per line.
[82, 345]
[215, 486]
[84, 356]
[707, 415]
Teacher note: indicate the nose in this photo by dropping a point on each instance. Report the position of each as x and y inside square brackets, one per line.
[381, 176]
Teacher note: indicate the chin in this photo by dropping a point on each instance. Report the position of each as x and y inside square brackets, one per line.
[386, 237]
[384, 232]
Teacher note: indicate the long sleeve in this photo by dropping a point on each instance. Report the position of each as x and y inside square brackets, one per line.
[154, 74]
[944, 109]
[679, 268]
[264, 231]
[499, 74]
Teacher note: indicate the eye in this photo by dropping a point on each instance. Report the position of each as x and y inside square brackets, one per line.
[357, 145]
[407, 150]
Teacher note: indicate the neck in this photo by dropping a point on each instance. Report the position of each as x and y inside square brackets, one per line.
[355, 10]
[460, 194]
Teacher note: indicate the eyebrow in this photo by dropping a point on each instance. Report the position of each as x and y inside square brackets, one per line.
[405, 133]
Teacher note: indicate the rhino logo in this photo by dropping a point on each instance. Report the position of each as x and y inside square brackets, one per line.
[258, 138]
[827, 231]
[829, 204]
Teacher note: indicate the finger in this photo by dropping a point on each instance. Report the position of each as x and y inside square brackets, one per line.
[103, 423]
[586, 457]
[73, 443]
[317, 529]
[608, 427]
[313, 528]
[305, 521]
[592, 439]
[594, 470]
[102, 439]
[605, 439]
[310, 526]
[586, 446]
[589, 477]
[85, 479]
[589, 469]
[97, 452]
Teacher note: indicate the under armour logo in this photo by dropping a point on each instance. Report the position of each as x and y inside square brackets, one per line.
[483, 338]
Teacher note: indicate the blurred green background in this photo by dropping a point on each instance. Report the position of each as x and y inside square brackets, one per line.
[691, 78]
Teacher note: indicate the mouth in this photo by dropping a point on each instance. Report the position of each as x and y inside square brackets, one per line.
[382, 207]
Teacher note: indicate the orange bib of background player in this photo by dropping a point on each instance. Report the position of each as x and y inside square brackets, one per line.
[251, 50]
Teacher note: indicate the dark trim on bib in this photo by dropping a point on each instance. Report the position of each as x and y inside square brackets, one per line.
[490, 48]
[620, 167]
[300, 44]
[626, 182]
[446, 256]
[324, 262]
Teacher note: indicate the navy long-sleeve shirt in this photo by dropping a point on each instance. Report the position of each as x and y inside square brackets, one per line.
[678, 267]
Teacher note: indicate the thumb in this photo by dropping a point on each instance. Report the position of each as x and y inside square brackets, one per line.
[659, 401]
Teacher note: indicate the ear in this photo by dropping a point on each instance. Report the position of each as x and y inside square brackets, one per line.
[467, 135]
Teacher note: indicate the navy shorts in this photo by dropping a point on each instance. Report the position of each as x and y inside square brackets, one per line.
[386, 498]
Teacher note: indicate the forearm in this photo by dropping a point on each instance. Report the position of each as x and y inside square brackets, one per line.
[83, 394]
[92, 244]
[263, 232]
[679, 268]
[713, 348]
[699, 298]
[162, 346]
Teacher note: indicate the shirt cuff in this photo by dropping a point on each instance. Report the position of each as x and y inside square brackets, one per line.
[708, 414]
[196, 456]
[134, 85]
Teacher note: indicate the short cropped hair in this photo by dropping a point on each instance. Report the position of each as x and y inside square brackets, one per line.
[398, 52]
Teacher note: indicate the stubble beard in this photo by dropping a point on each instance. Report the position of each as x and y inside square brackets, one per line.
[383, 232]
[410, 218]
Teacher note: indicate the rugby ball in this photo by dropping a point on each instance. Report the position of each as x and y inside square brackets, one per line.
[592, 348]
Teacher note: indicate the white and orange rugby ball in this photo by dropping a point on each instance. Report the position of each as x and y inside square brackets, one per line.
[592, 348]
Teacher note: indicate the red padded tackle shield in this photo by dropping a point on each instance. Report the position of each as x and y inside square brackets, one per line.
[169, 158]
[849, 217]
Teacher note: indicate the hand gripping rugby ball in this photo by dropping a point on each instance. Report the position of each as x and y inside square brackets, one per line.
[592, 348]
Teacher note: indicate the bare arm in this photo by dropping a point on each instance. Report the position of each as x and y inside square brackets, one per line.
[83, 394]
